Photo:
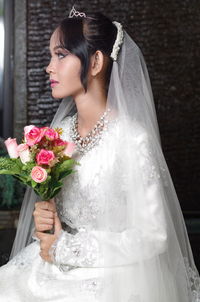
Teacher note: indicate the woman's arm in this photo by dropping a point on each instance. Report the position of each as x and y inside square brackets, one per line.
[148, 237]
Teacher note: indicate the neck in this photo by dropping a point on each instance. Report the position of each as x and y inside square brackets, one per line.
[90, 106]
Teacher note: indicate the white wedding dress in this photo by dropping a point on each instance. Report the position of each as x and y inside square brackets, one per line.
[80, 272]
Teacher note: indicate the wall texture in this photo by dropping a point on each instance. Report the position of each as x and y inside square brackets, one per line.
[168, 33]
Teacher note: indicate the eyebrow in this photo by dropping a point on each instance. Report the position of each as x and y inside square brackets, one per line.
[58, 46]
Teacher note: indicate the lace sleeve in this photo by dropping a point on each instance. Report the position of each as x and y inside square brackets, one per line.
[151, 167]
[81, 249]
[105, 248]
[153, 226]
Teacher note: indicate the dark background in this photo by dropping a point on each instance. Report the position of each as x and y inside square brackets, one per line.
[168, 33]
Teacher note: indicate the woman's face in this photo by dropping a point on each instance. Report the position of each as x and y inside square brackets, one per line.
[64, 70]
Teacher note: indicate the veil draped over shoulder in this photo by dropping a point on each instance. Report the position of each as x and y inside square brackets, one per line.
[154, 238]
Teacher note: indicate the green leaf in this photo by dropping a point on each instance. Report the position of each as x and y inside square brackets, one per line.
[61, 168]
[28, 166]
[33, 183]
[64, 174]
[10, 166]
[55, 192]
[67, 164]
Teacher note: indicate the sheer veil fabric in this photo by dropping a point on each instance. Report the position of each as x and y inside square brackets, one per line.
[154, 236]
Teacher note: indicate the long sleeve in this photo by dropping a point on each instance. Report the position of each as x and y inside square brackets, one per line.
[101, 248]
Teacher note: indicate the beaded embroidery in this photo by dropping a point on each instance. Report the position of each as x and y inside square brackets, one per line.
[94, 285]
[84, 144]
[81, 249]
[118, 41]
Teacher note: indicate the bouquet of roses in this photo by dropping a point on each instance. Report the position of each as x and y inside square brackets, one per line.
[40, 161]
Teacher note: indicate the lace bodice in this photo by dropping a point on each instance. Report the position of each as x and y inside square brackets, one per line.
[92, 205]
[81, 202]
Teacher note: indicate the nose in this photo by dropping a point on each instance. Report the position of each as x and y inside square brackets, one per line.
[49, 68]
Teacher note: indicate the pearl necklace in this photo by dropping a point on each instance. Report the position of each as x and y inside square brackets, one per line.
[84, 144]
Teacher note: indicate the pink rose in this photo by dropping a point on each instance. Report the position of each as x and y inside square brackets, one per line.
[69, 149]
[44, 157]
[60, 142]
[38, 174]
[24, 153]
[27, 129]
[34, 136]
[51, 134]
[11, 146]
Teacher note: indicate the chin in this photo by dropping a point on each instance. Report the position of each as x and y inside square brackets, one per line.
[58, 95]
[61, 93]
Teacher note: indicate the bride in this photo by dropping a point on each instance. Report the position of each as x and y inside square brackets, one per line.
[119, 233]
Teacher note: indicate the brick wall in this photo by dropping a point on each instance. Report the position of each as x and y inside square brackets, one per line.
[168, 34]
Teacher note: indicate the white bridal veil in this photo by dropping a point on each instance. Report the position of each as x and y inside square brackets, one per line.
[155, 239]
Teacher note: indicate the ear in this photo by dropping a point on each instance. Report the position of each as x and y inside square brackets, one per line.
[97, 61]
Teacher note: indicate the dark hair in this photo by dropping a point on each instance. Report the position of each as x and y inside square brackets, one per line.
[83, 36]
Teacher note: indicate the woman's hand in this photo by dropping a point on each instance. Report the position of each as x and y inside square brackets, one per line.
[44, 215]
[46, 240]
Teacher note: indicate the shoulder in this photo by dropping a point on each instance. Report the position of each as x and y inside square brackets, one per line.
[133, 132]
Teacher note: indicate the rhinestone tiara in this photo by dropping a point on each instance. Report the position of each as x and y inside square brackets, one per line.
[75, 13]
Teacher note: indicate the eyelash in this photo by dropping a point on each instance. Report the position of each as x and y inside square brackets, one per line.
[60, 53]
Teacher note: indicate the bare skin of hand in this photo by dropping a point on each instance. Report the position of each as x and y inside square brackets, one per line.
[45, 217]
[46, 240]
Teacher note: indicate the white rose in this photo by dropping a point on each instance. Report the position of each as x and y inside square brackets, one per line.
[24, 153]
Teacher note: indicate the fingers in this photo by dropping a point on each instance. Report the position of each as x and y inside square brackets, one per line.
[43, 213]
[42, 223]
[43, 227]
[43, 237]
[42, 216]
[46, 205]
[42, 220]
